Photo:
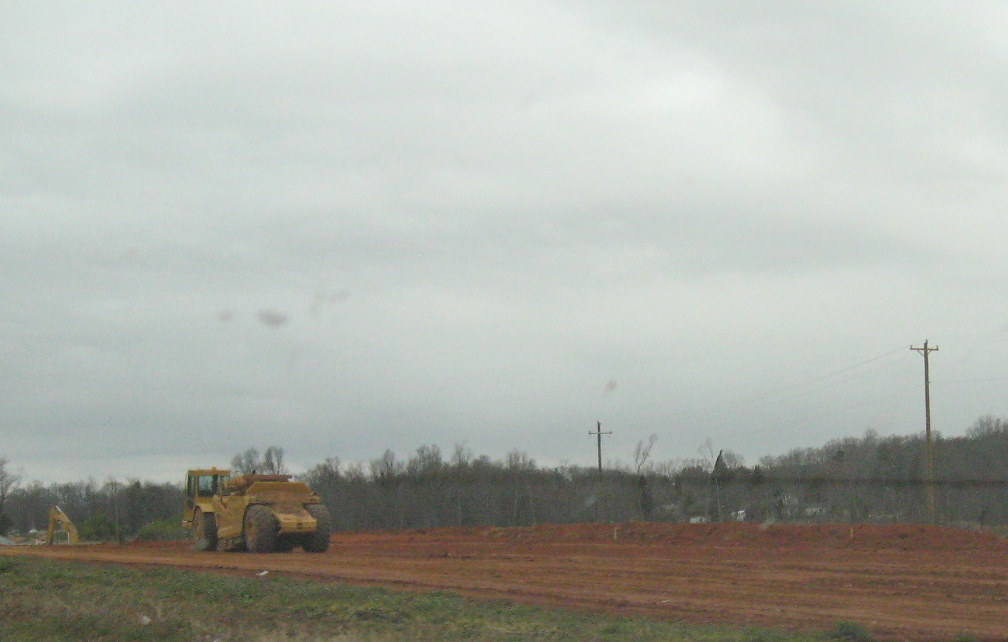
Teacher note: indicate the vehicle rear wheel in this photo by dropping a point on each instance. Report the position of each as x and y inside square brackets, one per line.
[318, 542]
[261, 529]
[206, 532]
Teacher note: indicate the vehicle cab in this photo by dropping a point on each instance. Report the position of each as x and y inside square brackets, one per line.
[201, 485]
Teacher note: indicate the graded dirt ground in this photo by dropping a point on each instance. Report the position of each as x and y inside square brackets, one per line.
[900, 581]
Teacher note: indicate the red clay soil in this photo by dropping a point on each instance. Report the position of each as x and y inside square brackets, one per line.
[900, 581]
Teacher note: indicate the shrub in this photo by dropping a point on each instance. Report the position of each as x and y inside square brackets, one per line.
[97, 528]
[851, 631]
[165, 529]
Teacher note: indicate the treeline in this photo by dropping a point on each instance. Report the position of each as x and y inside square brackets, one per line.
[854, 479]
[426, 491]
[874, 478]
[109, 511]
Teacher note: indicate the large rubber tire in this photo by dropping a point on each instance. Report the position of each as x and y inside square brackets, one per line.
[318, 542]
[261, 528]
[205, 532]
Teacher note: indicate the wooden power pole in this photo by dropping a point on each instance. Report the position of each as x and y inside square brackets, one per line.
[598, 500]
[929, 490]
[598, 433]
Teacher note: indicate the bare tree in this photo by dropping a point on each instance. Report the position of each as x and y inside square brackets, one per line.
[461, 456]
[732, 459]
[706, 452]
[518, 460]
[247, 462]
[329, 469]
[387, 467]
[8, 482]
[645, 499]
[272, 462]
[426, 461]
[642, 452]
[987, 425]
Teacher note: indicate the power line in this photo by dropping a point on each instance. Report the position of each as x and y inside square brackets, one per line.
[791, 390]
[974, 338]
[821, 383]
[864, 403]
[798, 393]
[853, 367]
[989, 380]
[828, 375]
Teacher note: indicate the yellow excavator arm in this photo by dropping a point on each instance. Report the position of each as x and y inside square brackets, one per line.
[58, 520]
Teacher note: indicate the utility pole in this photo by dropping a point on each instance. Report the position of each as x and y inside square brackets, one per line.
[598, 501]
[927, 429]
[598, 433]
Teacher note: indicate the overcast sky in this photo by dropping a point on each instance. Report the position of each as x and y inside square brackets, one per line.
[350, 226]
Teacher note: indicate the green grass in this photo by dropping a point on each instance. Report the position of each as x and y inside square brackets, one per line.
[54, 600]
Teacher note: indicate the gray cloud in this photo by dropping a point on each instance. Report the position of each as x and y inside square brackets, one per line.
[341, 229]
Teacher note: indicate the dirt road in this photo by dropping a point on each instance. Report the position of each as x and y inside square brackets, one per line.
[901, 581]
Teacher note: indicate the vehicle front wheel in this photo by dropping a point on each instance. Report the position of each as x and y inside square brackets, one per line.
[205, 536]
[261, 529]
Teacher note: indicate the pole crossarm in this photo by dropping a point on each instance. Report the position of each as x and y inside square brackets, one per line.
[925, 348]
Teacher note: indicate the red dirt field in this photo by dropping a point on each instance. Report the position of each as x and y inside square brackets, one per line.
[900, 581]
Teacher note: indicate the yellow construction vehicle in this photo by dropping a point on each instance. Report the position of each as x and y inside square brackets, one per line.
[58, 521]
[257, 513]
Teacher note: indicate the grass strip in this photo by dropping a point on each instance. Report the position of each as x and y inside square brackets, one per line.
[59, 600]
